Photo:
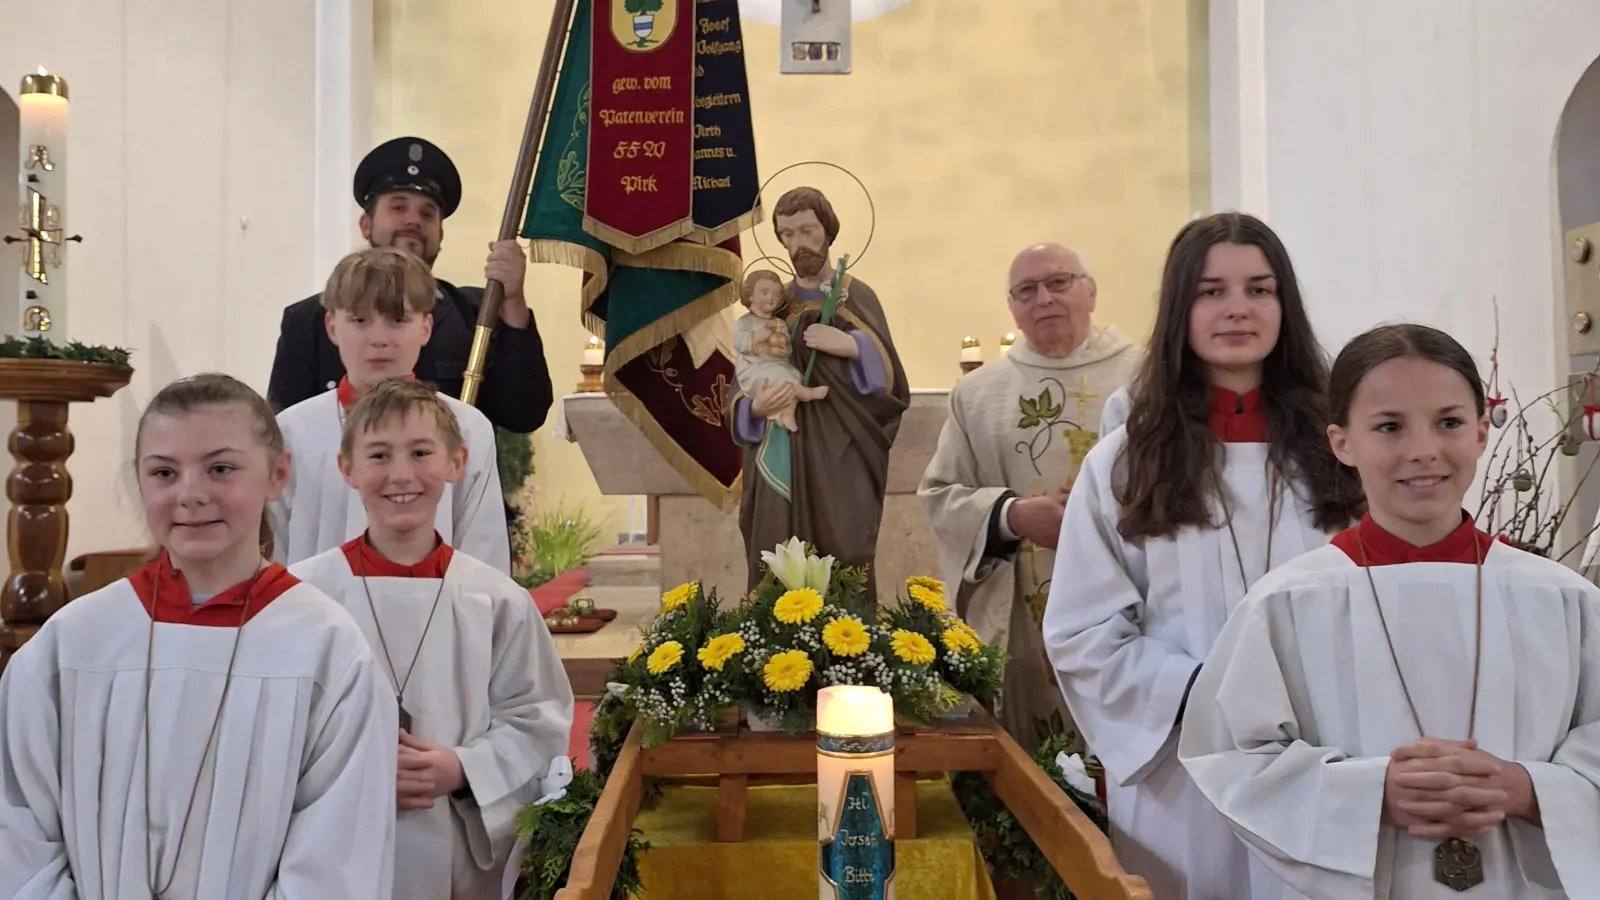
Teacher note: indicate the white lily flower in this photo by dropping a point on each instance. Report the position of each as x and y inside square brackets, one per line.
[788, 563]
[617, 689]
[819, 572]
[1077, 774]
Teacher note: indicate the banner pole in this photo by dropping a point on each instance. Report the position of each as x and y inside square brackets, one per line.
[521, 183]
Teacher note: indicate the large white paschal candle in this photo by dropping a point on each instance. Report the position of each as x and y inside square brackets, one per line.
[855, 793]
[42, 187]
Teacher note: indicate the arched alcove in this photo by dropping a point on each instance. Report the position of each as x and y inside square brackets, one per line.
[1577, 194]
[1578, 154]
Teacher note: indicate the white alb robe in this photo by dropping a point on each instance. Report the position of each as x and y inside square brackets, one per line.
[1019, 426]
[297, 799]
[489, 684]
[318, 511]
[1126, 627]
[1291, 723]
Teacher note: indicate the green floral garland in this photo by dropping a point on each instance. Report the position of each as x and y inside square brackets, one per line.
[1005, 845]
[13, 347]
[555, 829]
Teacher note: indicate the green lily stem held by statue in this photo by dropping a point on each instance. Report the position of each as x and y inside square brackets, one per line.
[830, 303]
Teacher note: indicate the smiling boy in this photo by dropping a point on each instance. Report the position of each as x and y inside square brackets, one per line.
[378, 311]
[485, 705]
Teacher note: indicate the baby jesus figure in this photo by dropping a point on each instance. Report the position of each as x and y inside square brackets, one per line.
[761, 340]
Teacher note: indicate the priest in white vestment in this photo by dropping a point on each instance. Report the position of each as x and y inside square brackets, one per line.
[295, 798]
[319, 512]
[1018, 429]
[483, 680]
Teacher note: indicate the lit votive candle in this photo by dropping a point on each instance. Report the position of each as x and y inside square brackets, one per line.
[970, 351]
[594, 353]
[855, 793]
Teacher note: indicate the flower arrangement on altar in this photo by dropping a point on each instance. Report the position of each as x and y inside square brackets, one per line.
[809, 624]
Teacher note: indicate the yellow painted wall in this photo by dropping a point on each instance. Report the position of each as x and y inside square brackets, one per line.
[979, 127]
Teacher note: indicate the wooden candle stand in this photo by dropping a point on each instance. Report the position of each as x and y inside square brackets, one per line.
[735, 760]
[39, 485]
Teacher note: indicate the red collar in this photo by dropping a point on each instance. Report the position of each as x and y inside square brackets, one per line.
[166, 597]
[364, 560]
[1464, 545]
[347, 392]
[1238, 418]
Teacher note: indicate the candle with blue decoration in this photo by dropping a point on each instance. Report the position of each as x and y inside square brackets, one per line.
[855, 793]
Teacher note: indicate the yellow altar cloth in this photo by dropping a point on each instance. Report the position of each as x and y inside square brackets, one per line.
[778, 858]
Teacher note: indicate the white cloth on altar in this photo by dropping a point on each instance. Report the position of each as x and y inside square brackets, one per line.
[319, 512]
[1292, 721]
[297, 797]
[1127, 626]
[489, 684]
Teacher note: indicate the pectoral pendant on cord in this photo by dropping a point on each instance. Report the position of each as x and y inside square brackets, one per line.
[405, 717]
[1457, 864]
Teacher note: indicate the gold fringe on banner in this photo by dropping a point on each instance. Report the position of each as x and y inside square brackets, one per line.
[691, 258]
[628, 243]
[714, 236]
[566, 253]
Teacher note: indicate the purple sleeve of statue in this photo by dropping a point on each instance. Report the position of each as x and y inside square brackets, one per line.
[866, 370]
[747, 429]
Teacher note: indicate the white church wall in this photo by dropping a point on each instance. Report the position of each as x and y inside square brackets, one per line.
[1405, 150]
[207, 140]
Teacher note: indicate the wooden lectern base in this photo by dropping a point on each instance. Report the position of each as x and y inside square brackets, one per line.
[39, 486]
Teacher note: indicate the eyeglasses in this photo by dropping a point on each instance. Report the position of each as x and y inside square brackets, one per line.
[1058, 285]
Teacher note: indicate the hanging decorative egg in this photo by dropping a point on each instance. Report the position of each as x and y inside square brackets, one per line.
[1522, 481]
[1498, 413]
[1568, 446]
[1591, 420]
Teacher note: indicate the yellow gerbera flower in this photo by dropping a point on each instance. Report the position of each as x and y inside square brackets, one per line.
[845, 636]
[664, 657]
[957, 640]
[923, 581]
[679, 597]
[958, 625]
[787, 671]
[798, 606]
[928, 597]
[717, 651]
[911, 647]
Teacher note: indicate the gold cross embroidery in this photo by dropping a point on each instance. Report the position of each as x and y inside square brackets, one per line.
[1083, 397]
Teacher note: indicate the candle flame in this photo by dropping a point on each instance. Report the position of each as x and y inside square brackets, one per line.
[593, 341]
[42, 71]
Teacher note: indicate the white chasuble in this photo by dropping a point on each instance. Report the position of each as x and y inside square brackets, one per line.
[318, 511]
[488, 684]
[1126, 627]
[296, 797]
[1292, 721]
[1021, 424]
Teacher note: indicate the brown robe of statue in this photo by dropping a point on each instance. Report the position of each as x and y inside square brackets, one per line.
[840, 455]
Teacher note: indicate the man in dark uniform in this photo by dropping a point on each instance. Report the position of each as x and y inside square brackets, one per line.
[406, 188]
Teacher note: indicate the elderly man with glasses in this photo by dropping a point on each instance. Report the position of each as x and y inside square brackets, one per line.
[1018, 430]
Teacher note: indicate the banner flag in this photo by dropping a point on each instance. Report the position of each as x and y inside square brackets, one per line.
[606, 190]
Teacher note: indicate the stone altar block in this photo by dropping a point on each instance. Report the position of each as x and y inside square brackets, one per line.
[698, 540]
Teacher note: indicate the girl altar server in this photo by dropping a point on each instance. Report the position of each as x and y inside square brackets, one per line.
[484, 703]
[208, 727]
[1221, 472]
[1414, 710]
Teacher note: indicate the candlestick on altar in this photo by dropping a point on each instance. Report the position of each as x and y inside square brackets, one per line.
[1007, 341]
[593, 367]
[42, 183]
[855, 793]
[971, 354]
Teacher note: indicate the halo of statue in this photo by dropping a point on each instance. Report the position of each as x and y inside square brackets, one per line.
[850, 261]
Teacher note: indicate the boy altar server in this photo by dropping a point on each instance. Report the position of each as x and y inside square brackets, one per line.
[485, 705]
[1412, 711]
[379, 304]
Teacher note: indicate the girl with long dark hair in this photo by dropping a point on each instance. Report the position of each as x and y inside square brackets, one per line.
[1222, 471]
